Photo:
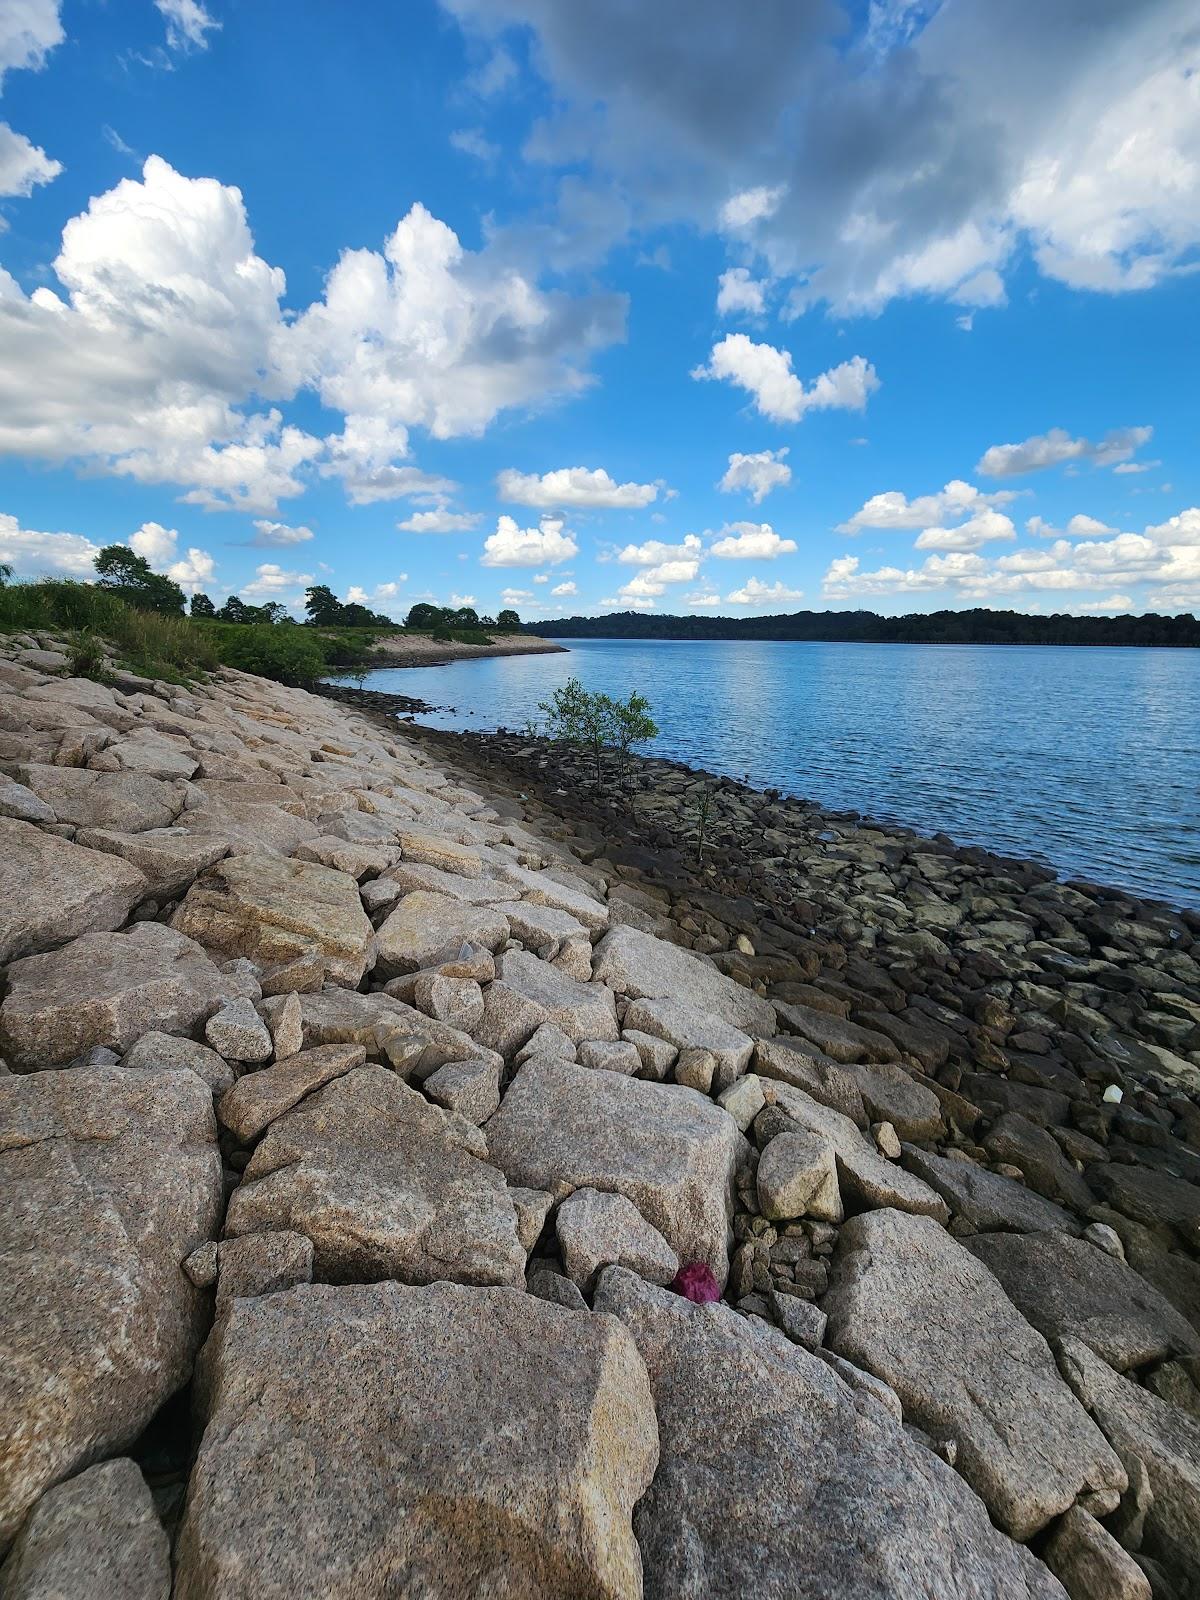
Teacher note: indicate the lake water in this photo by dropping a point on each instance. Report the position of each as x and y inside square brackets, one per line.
[1085, 759]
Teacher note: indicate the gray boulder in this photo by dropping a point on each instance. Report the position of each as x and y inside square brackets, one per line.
[171, 858]
[646, 968]
[581, 1010]
[426, 928]
[687, 1028]
[97, 1534]
[914, 1307]
[77, 891]
[777, 1479]
[384, 1184]
[1166, 1440]
[433, 1441]
[669, 1150]
[598, 1230]
[258, 1098]
[107, 989]
[1068, 1288]
[984, 1201]
[113, 1178]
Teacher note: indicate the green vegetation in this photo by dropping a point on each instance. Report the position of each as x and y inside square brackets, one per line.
[597, 721]
[146, 642]
[138, 617]
[977, 626]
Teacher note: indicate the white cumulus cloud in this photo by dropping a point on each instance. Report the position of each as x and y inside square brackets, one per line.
[513, 546]
[766, 374]
[565, 588]
[655, 551]
[279, 533]
[738, 292]
[744, 541]
[35, 555]
[984, 527]
[440, 520]
[573, 488]
[757, 473]
[1056, 447]
[893, 510]
[756, 593]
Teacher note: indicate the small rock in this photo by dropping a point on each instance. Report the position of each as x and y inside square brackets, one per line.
[797, 1176]
[548, 1040]
[559, 1291]
[1105, 1238]
[695, 1068]
[743, 1100]
[201, 1265]
[166, 1052]
[532, 1207]
[472, 1088]
[262, 1263]
[458, 1001]
[238, 1033]
[886, 1140]
[287, 1028]
[657, 1055]
[800, 1319]
[598, 1230]
[610, 1055]
[1089, 1562]
[257, 1099]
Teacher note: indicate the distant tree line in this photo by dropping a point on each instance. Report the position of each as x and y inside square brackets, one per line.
[979, 626]
[128, 575]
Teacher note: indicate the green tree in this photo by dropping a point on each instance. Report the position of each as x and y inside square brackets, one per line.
[6, 572]
[235, 610]
[632, 723]
[324, 608]
[202, 606]
[126, 573]
[423, 616]
[508, 620]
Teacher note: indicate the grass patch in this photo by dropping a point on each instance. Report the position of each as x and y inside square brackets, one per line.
[146, 642]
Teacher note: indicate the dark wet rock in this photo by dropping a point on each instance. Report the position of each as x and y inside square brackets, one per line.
[982, 1201]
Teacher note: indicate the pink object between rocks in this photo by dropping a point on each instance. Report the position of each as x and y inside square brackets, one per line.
[696, 1282]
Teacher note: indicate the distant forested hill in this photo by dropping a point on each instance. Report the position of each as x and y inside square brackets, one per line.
[933, 627]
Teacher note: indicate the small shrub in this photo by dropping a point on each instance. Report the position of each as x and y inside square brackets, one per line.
[289, 655]
[87, 657]
[597, 720]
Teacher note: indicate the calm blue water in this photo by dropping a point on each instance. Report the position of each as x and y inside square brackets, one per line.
[1086, 759]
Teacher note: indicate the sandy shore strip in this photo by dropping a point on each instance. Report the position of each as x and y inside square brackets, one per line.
[422, 650]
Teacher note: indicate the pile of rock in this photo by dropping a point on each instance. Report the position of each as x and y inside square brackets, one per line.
[383, 1131]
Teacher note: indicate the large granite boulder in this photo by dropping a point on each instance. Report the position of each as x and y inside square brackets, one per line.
[910, 1304]
[839, 1038]
[581, 1010]
[97, 1534]
[258, 1098]
[107, 989]
[1164, 1438]
[426, 928]
[171, 858]
[51, 890]
[686, 1028]
[1068, 1288]
[891, 1095]
[437, 1441]
[110, 1179]
[384, 1184]
[669, 1150]
[982, 1201]
[274, 910]
[863, 1173]
[646, 968]
[778, 1479]
[794, 1061]
[127, 801]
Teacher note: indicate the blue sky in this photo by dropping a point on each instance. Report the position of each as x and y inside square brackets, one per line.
[681, 307]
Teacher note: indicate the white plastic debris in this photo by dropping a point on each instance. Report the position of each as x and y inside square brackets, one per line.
[1113, 1095]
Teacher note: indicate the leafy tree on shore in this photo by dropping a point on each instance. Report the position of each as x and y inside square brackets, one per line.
[202, 606]
[508, 620]
[126, 573]
[6, 572]
[597, 721]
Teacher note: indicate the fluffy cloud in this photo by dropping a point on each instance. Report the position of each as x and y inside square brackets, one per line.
[429, 334]
[279, 533]
[273, 582]
[158, 545]
[698, 602]
[1056, 447]
[756, 593]
[654, 580]
[23, 166]
[895, 149]
[169, 332]
[1112, 602]
[514, 546]
[188, 24]
[573, 488]
[440, 521]
[757, 474]
[654, 551]
[623, 602]
[29, 30]
[893, 510]
[565, 588]
[745, 541]
[984, 527]
[1079, 527]
[766, 375]
[474, 142]
[749, 206]
[1166, 554]
[514, 597]
[738, 292]
[34, 555]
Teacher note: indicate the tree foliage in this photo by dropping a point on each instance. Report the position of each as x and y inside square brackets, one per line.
[128, 575]
[977, 626]
[597, 721]
[325, 610]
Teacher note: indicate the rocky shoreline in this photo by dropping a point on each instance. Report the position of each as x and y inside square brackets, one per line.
[437, 1177]
[422, 650]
